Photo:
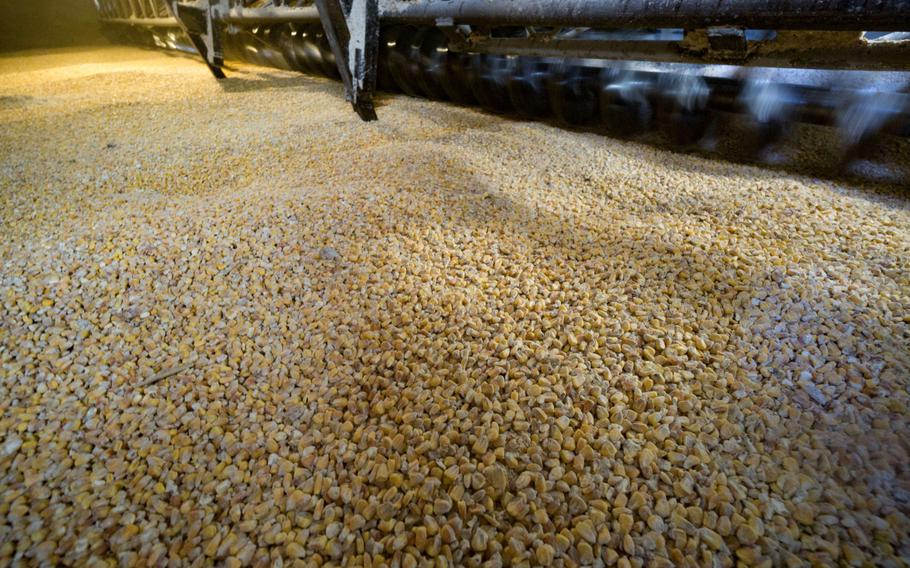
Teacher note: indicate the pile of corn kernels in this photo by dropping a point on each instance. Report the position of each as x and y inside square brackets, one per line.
[240, 327]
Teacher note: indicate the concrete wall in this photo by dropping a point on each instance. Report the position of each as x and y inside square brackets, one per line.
[31, 24]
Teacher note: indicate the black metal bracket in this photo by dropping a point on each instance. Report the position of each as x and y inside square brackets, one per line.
[727, 43]
[352, 29]
[197, 21]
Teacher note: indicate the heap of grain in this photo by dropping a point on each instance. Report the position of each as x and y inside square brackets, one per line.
[282, 336]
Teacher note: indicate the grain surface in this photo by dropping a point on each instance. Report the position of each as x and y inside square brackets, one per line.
[240, 327]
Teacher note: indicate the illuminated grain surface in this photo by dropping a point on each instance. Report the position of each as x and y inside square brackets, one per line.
[443, 334]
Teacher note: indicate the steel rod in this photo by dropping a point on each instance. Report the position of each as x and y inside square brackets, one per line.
[881, 15]
[858, 56]
[884, 15]
[144, 22]
[271, 15]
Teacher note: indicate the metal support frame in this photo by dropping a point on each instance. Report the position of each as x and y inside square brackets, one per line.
[882, 15]
[197, 21]
[809, 33]
[819, 15]
[352, 29]
[813, 50]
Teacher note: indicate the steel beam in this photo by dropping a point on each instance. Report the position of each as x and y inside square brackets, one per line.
[269, 15]
[144, 22]
[196, 20]
[352, 29]
[880, 15]
[858, 55]
[833, 15]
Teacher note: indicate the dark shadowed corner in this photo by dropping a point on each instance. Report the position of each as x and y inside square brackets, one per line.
[43, 24]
